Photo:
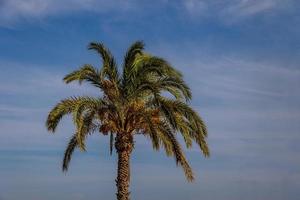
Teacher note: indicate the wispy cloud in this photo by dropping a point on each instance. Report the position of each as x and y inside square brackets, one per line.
[236, 81]
[32, 80]
[195, 7]
[251, 7]
[12, 11]
[230, 11]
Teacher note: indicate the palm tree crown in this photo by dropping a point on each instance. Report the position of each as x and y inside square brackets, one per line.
[130, 103]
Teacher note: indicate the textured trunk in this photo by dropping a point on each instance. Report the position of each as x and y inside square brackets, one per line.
[124, 147]
[123, 178]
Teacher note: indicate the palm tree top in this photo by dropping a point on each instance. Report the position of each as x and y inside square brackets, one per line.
[132, 102]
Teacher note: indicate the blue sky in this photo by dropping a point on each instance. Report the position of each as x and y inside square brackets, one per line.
[240, 57]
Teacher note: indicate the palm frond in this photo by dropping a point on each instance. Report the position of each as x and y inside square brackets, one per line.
[152, 132]
[174, 86]
[84, 128]
[111, 143]
[69, 152]
[135, 49]
[64, 107]
[109, 64]
[146, 67]
[86, 73]
[145, 64]
[176, 150]
[87, 104]
[197, 126]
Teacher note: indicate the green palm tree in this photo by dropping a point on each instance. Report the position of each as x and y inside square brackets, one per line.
[132, 103]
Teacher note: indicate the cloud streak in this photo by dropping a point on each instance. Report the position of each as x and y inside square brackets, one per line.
[12, 11]
[231, 11]
[228, 11]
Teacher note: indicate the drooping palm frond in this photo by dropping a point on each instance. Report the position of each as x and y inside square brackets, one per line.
[173, 109]
[68, 106]
[147, 68]
[111, 143]
[69, 152]
[174, 86]
[65, 107]
[146, 63]
[162, 135]
[84, 128]
[176, 150]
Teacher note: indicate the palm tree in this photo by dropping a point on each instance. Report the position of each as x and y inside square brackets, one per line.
[148, 98]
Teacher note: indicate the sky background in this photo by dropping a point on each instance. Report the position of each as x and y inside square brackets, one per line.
[240, 58]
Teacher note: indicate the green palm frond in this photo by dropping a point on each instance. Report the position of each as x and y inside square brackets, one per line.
[146, 63]
[69, 152]
[86, 73]
[135, 49]
[144, 69]
[174, 86]
[176, 150]
[198, 131]
[111, 143]
[87, 104]
[152, 132]
[84, 128]
[109, 64]
[68, 106]
[65, 107]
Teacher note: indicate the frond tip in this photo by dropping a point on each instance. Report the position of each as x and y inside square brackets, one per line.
[177, 151]
[68, 153]
[109, 64]
[87, 73]
[64, 107]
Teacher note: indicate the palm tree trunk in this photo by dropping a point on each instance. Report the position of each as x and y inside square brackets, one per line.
[124, 147]
[123, 178]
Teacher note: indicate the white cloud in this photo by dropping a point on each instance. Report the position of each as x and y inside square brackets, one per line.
[13, 10]
[195, 7]
[27, 94]
[34, 79]
[252, 7]
[237, 81]
[247, 8]
[230, 11]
